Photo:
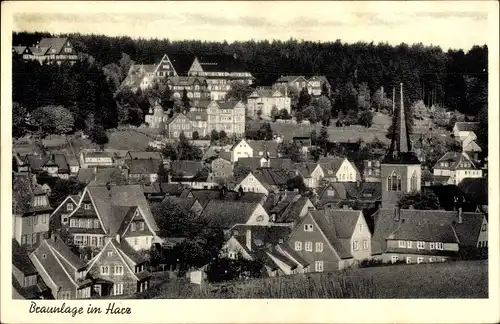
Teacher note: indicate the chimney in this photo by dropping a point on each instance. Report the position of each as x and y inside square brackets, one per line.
[249, 239]
[459, 214]
[397, 213]
[118, 238]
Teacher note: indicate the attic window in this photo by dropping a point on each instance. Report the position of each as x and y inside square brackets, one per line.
[330, 193]
[308, 227]
[484, 228]
[110, 253]
[44, 256]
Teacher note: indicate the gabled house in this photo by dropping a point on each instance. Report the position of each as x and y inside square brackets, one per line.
[296, 81]
[188, 204]
[247, 148]
[425, 236]
[339, 169]
[118, 270]
[199, 121]
[264, 180]
[226, 214]
[59, 219]
[196, 87]
[470, 147]
[172, 65]
[105, 211]
[332, 239]
[265, 99]
[311, 173]
[140, 76]
[51, 50]
[90, 159]
[63, 272]
[144, 170]
[221, 167]
[178, 124]
[143, 155]
[318, 83]
[260, 243]
[291, 209]
[30, 210]
[252, 163]
[158, 115]
[456, 167]
[462, 130]
[26, 282]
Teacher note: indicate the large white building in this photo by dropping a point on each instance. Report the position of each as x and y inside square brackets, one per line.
[453, 167]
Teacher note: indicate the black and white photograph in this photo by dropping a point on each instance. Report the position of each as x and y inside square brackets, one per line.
[250, 150]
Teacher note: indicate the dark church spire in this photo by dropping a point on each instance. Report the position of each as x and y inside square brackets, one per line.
[400, 150]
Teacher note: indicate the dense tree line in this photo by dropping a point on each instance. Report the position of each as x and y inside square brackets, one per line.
[455, 79]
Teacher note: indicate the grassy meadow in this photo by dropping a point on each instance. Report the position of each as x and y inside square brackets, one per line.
[462, 279]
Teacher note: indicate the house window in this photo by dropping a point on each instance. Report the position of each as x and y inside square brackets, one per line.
[118, 270]
[136, 241]
[431, 246]
[408, 260]
[141, 226]
[231, 255]
[361, 227]
[78, 239]
[394, 258]
[318, 266]
[355, 245]
[298, 246]
[439, 246]
[484, 228]
[365, 244]
[308, 246]
[110, 253]
[118, 289]
[132, 227]
[35, 220]
[319, 247]
[64, 219]
[420, 245]
[94, 241]
[432, 259]
[402, 244]
[69, 206]
[308, 228]
[86, 206]
[104, 270]
[420, 260]
[408, 244]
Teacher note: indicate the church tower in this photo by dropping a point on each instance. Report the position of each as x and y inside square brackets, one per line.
[400, 169]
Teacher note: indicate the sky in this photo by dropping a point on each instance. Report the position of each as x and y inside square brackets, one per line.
[449, 25]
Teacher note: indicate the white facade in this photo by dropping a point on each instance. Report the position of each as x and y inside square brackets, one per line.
[242, 149]
[251, 184]
[347, 172]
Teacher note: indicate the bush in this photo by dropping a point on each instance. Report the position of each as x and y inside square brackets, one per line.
[366, 118]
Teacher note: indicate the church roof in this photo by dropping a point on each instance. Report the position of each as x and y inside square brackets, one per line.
[400, 151]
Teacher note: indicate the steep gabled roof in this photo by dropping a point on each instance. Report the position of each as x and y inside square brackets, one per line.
[468, 231]
[415, 225]
[65, 254]
[114, 203]
[226, 214]
[197, 115]
[280, 163]
[21, 260]
[221, 63]
[19, 49]
[292, 211]
[61, 162]
[140, 155]
[181, 62]
[53, 43]
[143, 166]
[186, 203]
[253, 163]
[266, 147]
[466, 126]
[331, 164]
[455, 161]
[272, 177]
[186, 81]
[336, 225]
[305, 169]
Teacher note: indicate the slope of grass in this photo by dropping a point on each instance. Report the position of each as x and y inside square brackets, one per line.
[127, 140]
[465, 279]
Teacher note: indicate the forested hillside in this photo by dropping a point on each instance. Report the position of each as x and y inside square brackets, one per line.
[456, 80]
